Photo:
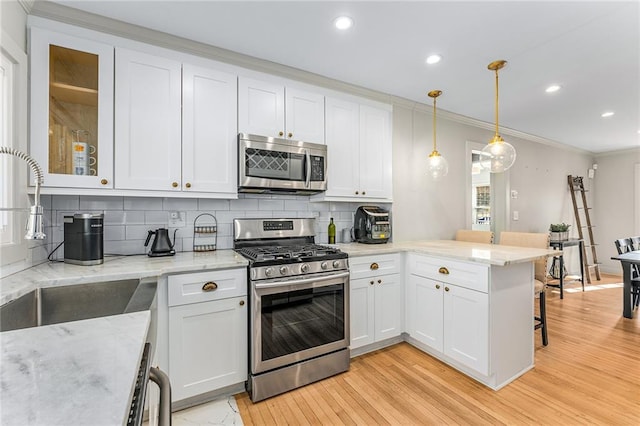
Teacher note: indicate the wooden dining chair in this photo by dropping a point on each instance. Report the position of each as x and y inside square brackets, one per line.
[635, 243]
[625, 245]
[534, 240]
[485, 237]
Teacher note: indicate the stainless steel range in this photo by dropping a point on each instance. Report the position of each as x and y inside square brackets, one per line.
[299, 305]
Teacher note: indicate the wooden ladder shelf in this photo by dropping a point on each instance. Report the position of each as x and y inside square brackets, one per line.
[576, 185]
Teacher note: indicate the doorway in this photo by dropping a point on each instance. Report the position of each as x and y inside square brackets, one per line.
[487, 202]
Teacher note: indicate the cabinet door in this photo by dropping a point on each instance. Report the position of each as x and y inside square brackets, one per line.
[304, 115]
[466, 327]
[425, 308]
[209, 130]
[71, 110]
[388, 306]
[342, 137]
[375, 152]
[260, 108]
[361, 302]
[207, 346]
[147, 122]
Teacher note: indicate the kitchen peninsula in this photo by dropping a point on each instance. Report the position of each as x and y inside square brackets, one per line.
[501, 276]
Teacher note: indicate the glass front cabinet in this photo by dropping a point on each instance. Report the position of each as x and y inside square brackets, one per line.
[72, 110]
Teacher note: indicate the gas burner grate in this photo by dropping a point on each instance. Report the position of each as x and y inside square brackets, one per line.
[286, 252]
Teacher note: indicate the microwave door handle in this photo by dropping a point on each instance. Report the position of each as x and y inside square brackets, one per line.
[308, 168]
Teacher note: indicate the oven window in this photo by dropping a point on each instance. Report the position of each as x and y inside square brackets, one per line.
[266, 164]
[303, 319]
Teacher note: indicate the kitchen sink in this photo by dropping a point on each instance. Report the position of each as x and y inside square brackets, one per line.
[54, 305]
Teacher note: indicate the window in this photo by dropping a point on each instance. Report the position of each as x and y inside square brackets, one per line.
[13, 171]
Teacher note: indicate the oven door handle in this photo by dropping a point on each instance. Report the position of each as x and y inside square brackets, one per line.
[308, 168]
[302, 280]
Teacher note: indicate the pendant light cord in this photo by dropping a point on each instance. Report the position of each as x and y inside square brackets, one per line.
[434, 124]
[497, 104]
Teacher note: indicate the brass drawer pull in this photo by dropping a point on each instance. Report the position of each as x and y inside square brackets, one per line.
[104, 181]
[437, 286]
[210, 286]
[379, 281]
[443, 270]
[374, 266]
[242, 303]
[446, 289]
[371, 282]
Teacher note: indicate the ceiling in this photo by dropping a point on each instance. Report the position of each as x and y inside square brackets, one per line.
[590, 48]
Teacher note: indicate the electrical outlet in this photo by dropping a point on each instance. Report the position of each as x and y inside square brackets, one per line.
[514, 194]
[177, 219]
[516, 216]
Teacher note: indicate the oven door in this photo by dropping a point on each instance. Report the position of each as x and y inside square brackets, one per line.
[271, 164]
[298, 319]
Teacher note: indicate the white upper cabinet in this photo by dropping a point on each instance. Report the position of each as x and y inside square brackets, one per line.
[270, 109]
[147, 122]
[359, 151]
[209, 130]
[175, 126]
[71, 109]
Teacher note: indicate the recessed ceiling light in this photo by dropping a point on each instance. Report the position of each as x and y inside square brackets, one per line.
[607, 114]
[343, 22]
[433, 59]
[552, 88]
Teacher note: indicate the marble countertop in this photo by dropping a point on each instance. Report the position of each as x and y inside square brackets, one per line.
[114, 268]
[79, 372]
[492, 254]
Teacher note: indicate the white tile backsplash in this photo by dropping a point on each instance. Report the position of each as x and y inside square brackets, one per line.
[129, 219]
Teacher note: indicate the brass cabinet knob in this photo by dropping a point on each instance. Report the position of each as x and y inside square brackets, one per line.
[443, 270]
[209, 286]
[364, 193]
[374, 266]
[379, 281]
[290, 135]
[446, 289]
[104, 181]
[280, 133]
[188, 185]
[437, 286]
[371, 282]
[357, 192]
[174, 184]
[242, 303]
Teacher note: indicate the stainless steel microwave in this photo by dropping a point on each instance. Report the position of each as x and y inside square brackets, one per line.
[280, 165]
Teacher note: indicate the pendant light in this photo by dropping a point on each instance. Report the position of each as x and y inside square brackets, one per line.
[438, 166]
[498, 156]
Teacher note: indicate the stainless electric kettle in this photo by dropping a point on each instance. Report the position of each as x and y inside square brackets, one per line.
[162, 245]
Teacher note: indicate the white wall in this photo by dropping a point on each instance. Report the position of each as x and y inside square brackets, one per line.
[614, 209]
[13, 20]
[427, 209]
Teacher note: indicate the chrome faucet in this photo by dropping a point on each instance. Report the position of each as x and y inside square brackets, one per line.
[34, 229]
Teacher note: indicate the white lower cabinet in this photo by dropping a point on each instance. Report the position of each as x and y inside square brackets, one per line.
[449, 318]
[376, 299]
[207, 331]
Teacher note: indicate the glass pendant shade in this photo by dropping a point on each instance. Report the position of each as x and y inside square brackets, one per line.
[438, 165]
[498, 156]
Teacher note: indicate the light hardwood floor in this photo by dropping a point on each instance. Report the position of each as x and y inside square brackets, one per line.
[589, 374]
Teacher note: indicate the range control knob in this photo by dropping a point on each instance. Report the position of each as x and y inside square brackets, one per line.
[284, 270]
[268, 272]
[336, 263]
[324, 265]
[304, 267]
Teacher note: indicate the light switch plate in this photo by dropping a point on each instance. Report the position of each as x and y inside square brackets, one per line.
[516, 216]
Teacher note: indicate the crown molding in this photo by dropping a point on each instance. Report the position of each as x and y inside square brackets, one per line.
[27, 5]
[625, 151]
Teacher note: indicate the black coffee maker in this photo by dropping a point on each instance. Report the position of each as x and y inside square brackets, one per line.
[162, 245]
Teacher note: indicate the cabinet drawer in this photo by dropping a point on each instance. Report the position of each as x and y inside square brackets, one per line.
[190, 288]
[463, 274]
[373, 266]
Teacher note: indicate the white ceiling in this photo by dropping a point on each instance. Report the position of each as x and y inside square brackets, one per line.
[590, 48]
